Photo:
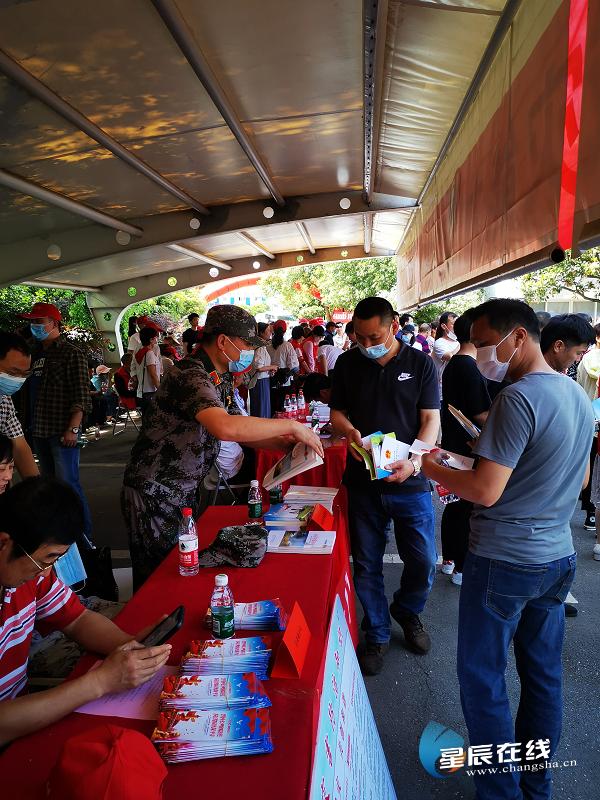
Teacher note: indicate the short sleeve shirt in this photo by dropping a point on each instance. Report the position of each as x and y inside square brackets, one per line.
[465, 388]
[173, 453]
[440, 348]
[44, 603]
[387, 399]
[9, 424]
[541, 427]
[190, 339]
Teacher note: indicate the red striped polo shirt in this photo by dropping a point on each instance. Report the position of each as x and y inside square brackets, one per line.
[43, 603]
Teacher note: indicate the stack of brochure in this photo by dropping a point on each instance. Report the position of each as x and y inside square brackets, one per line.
[262, 615]
[378, 450]
[301, 542]
[227, 657]
[299, 495]
[212, 692]
[191, 735]
[287, 515]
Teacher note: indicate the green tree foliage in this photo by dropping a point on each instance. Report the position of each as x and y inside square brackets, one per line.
[169, 310]
[316, 290]
[580, 276]
[15, 300]
[457, 305]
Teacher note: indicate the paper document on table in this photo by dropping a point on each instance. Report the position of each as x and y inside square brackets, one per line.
[138, 703]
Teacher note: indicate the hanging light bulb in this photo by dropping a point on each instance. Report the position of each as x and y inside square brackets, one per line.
[256, 264]
[345, 203]
[268, 212]
[213, 272]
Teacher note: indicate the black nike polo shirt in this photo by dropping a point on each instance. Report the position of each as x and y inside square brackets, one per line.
[385, 399]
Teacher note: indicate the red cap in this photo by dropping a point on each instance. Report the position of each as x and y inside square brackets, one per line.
[107, 762]
[281, 324]
[302, 321]
[43, 310]
[316, 321]
[146, 322]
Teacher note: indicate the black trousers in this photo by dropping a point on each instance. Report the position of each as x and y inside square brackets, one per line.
[586, 503]
[455, 532]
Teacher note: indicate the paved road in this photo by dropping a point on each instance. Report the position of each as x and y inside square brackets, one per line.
[413, 690]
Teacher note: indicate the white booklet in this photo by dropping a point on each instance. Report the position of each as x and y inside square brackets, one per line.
[464, 422]
[453, 460]
[304, 542]
[300, 459]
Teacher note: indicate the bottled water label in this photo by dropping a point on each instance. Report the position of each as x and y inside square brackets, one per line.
[223, 625]
[188, 551]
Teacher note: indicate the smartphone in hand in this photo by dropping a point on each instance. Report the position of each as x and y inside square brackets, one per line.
[165, 629]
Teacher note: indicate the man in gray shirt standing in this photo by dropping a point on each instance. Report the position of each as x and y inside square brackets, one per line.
[532, 463]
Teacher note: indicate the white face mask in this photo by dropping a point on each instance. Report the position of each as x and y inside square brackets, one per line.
[487, 361]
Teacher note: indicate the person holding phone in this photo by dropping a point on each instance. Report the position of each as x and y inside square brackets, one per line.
[39, 519]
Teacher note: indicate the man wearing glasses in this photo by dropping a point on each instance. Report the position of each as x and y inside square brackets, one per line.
[15, 362]
[39, 519]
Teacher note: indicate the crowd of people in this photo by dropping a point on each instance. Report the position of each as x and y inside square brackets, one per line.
[527, 382]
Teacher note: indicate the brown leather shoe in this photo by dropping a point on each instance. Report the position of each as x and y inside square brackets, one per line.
[415, 635]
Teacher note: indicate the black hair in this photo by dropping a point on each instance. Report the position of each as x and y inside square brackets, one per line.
[572, 329]
[41, 510]
[443, 320]
[462, 326]
[330, 323]
[131, 325]
[277, 339]
[126, 357]
[192, 316]
[375, 307]
[597, 330]
[544, 318]
[584, 315]
[403, 320]
[504, 315]
[318, 330]
[6, 449]
[261, 327]
[146, 335]
[12, 341]
[313, 384]
[297, 332]
[349, 327]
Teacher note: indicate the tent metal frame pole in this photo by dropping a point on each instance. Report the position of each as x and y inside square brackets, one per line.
[374, 36]
[39, 90]
[306, 236]
[256, 245]
[188, 251]
[18, 184]
[179, 30]
[368, 231]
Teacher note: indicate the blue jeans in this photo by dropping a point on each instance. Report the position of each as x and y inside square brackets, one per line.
[500, 603]
[63, 462]
[369, 515]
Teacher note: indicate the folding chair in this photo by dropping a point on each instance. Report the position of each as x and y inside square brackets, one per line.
[123, 411]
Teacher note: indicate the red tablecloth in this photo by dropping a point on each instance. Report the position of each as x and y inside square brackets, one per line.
[328, 474]
[283, 774]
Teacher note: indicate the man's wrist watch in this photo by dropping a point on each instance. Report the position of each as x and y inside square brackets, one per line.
[416, 466]
[74, 430]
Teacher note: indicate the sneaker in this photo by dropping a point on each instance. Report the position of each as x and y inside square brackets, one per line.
[447, 567]
[370, 657]
[415, 634]
[590, 522]
[456, 578]
[596, 552]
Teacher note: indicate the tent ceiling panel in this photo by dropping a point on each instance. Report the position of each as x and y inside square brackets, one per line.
[431, 57]
[114, 61]
[277, 61]
[337, 231]
[22, 216]
[388, 226]
[278, 238]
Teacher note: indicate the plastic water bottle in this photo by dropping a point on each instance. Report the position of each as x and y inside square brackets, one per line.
[221, 609]
[287, 406]
[301, 406]
[188, 544]
[255, 508]
[294, 405]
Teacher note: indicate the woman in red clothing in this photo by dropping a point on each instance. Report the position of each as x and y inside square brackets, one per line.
[296, 342]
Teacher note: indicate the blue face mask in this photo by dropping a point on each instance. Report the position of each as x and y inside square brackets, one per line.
[244, 361]
[40, 332]
[376, 350]
[9, 384]
[69, 568]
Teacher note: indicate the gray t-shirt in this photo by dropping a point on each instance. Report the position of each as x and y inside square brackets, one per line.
[541, 426]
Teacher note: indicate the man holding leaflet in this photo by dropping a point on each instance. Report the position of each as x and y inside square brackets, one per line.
[533, 461]
[385, 385]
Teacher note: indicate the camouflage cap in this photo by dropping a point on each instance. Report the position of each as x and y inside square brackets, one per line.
[233, 321]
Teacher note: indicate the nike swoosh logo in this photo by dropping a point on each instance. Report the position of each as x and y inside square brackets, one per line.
[404, 377]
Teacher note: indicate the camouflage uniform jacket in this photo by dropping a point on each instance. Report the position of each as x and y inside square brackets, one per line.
[173, 452]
